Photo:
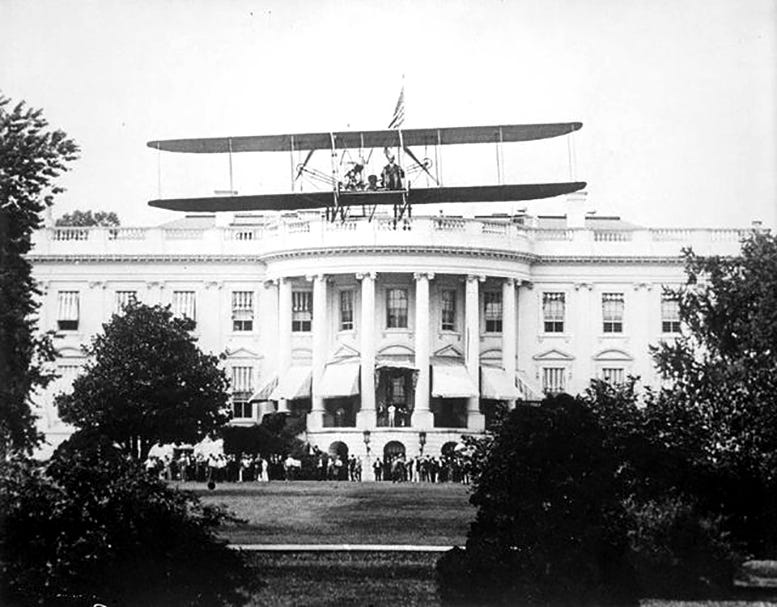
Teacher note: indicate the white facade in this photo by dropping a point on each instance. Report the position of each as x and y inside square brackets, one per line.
[447, 314]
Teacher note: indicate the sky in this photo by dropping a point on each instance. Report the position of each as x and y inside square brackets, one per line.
[677, 98]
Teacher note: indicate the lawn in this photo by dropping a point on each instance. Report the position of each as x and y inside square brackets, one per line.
[310, 512]
[358, 513]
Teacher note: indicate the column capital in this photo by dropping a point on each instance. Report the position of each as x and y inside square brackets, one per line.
[214, 284]
[363, 275]
[316, 277]
[643, 285]
[419, 275]
[155, 283]
[527, 284]
[269, 283]
[510, 282]
[474, 277]
[95, 284]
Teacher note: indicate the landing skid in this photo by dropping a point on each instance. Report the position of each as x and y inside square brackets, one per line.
[340, 208]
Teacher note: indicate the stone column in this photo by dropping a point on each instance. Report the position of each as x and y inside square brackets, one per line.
[284, 333]
[509, 331]
[268, 317]
[320, 340]
[422, 417]
[365, 418]
[475, 419]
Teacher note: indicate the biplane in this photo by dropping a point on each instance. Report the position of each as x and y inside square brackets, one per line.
[347, 192]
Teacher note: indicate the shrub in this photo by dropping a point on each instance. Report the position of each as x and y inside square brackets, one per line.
[92, 527]
[550, 528]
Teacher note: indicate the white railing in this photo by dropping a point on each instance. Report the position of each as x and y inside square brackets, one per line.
[126, 233]
[70, 233]
[288, 234]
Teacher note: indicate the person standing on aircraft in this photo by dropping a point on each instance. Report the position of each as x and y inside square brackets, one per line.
[392, 175]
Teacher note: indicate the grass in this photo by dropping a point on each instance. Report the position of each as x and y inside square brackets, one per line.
[359, 513]
[343, 513]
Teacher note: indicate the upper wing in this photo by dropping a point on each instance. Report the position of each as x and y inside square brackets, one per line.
[367, 139]
[315, 200]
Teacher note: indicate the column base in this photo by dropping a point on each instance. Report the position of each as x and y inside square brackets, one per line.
[315, 420]
[368, 474]
[476, 421]
[422, 420]
[366, 420]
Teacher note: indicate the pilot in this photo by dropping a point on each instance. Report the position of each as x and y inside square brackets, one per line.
[392, 175]
[353, 178]
[372, 183]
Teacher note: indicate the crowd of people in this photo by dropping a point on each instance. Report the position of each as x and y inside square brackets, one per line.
[219, 468]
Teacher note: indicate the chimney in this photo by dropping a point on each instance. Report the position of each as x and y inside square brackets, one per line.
[576, 206]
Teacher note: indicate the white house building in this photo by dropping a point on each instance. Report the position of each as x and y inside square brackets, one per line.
[387, 340]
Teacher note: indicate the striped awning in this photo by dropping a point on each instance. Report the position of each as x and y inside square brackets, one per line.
[294, 383]
[450, 379]
[340, 380]
[496, 384]
[266, 390]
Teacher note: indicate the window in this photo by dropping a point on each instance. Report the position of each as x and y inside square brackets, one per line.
[184, 304]
[301, 311]
[242, 310]
[346, 310]
[67, 310]
[242, 388]
[397, 390]
[448, 310]
[493, 311]
[123, 299]
[553, 309]
[396, 309]
[553, 379]
[613, 375]
[670, 314]
[612, 312]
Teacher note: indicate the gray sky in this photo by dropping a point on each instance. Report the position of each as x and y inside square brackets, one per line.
[677, 97]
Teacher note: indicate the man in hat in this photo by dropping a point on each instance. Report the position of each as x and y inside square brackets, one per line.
[392, 175]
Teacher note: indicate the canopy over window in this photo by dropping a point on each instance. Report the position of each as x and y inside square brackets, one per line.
[395, 362]
[294, 383]
[450, 379]
[496, 384]
[340, 380]
[265, 392]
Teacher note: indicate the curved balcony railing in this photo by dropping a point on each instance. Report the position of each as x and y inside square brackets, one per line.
[299, 234]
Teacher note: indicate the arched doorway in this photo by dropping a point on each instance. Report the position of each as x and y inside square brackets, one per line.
[448, 449]
[338, 461]
[393, 449]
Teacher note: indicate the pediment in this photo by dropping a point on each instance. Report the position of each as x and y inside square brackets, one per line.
[492, 355]
[554, 355]
[302, 355]
[449, 351]
[614, 355]
[397, 350]
[345, 351]
[242, 352]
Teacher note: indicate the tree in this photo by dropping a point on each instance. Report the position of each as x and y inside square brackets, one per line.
[92, 527]
[85, 219]
[147, 381]
[32, 157]
[550, 527]
[721, 407]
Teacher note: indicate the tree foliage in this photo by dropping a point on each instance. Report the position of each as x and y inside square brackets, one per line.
[550, 524]
[85, 219]
[32, 157]
[92, 527]
[146, 381]
[720, 409]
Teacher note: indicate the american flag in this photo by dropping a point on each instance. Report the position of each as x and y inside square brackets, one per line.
[399, 111]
